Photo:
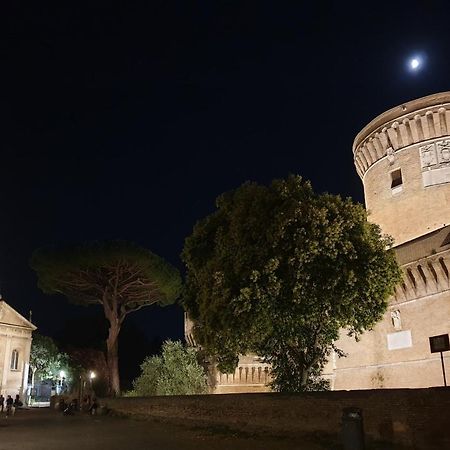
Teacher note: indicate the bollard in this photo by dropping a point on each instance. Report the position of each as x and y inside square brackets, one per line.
[352, 429]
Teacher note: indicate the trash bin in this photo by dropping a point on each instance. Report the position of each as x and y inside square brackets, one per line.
[352, 429]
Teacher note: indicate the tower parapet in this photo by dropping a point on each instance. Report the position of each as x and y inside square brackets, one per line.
[403, 159]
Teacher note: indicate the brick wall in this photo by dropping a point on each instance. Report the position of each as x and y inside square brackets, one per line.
[416, 418]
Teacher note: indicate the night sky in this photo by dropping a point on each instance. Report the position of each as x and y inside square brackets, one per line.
[127, 123]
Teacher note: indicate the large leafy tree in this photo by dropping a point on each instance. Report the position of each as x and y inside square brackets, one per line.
[46, 360]
[119, 276]
[280, 270]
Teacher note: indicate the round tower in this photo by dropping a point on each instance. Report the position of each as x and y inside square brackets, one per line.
[403, 159]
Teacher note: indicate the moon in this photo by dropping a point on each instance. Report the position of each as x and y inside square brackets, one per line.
[414, 63]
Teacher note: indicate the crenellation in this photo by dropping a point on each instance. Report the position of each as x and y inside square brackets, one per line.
[404, 130]
[371, 155]
[431, 282]
[447, 120]
[423, 277]
[378, 145]
[431, 131]
[384, 140]
[359, 166]
[363, 160]
[409, 138]
[395, 132]
[372, 149]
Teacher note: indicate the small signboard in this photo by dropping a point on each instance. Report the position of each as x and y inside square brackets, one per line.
[439, 343]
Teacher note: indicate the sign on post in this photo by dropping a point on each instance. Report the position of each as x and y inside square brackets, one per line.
[440, 344]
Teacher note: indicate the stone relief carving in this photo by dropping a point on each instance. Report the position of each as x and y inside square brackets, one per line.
[435, 155]
[396, 319]
[390, 154]
[435, 162]
[443, 151]
[428, 155]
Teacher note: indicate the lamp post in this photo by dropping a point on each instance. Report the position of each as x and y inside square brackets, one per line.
[92, 375]
[59, 388]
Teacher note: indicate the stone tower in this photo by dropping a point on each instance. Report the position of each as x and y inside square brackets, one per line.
[403, 159]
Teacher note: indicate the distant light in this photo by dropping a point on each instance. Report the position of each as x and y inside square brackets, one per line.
[62, 374]
[92, 375]
[414, 63]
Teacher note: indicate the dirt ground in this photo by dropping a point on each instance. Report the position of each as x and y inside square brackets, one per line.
[43, 429]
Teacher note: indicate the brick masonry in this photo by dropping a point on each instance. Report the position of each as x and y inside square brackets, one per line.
[413, 418]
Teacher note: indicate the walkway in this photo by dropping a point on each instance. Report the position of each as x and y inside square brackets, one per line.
[43, 429]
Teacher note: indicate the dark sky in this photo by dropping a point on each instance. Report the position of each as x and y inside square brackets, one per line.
[127, 123]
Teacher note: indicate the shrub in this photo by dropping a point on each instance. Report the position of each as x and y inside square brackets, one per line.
[175, 372]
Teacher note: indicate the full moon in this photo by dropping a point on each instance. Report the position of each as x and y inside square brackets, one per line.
[414, 63]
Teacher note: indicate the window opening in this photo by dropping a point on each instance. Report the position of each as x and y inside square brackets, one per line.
[14, 360]
[396, 178]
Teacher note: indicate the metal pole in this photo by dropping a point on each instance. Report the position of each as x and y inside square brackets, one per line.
[443, 369]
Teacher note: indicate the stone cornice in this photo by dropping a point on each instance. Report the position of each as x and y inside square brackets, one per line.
[413, 122]
[7, 330]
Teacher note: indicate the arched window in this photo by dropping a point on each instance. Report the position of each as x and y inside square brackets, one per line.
[14, 360]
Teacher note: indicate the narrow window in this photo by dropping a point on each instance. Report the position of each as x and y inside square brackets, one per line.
[14, 360]
[396, 178]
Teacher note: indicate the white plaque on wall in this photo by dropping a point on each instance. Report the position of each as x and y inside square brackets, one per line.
[401, 339]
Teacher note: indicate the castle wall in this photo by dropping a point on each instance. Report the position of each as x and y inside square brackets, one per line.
[403, 158]
[414, 139]
[413, 209]
[387, 357]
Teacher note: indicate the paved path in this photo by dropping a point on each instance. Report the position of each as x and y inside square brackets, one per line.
[43, 429]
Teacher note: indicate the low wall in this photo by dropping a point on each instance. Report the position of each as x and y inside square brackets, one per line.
[415, 418]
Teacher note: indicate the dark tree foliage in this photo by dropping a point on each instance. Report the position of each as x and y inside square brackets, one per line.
[280, 270]
[118, 275]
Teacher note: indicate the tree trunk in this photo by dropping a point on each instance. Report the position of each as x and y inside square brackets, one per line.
[112, 357]
[304, 375]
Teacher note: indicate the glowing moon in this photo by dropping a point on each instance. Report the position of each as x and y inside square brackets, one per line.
[414, 63]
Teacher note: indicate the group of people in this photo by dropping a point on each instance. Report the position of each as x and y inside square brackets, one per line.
[9, 405]
[89, 405]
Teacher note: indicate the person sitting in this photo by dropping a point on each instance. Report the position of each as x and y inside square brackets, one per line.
[94, 407]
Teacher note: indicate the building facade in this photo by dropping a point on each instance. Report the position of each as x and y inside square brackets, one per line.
[250, 375]
[15, 346]
[403, 159]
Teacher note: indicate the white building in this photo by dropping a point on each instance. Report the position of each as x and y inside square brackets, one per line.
[15, 346]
